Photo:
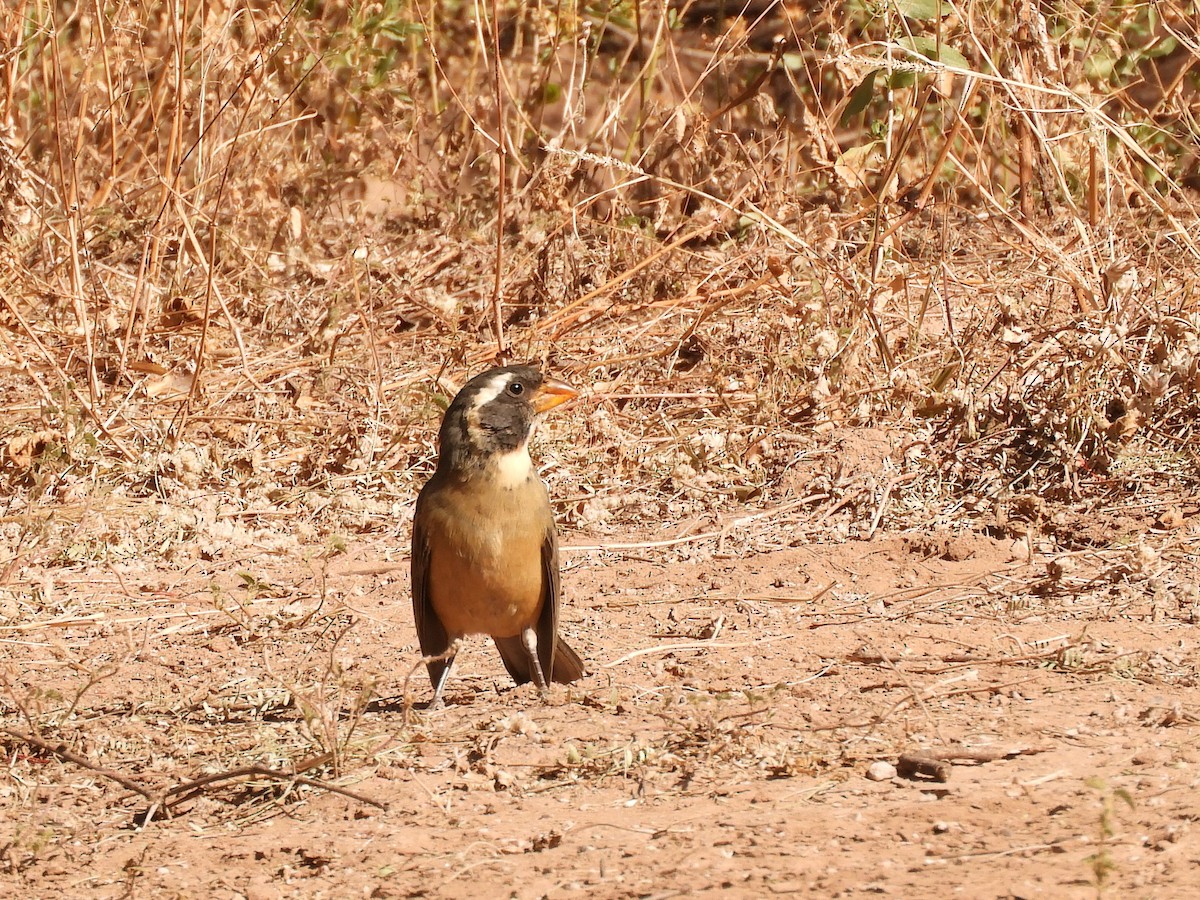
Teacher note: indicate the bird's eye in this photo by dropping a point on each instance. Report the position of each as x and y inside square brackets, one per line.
[516, 389]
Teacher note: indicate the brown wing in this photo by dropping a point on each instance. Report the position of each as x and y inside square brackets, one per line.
[559, 662]
[431, 634]
[547, 627]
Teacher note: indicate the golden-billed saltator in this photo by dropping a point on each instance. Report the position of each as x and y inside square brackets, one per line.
[484, 544]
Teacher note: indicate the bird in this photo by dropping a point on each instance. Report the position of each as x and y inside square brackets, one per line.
[484, 542]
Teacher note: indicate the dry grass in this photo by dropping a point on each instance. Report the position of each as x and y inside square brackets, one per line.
[245, 250]
[270, 228]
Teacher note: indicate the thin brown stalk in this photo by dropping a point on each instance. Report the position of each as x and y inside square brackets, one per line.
[501, 187]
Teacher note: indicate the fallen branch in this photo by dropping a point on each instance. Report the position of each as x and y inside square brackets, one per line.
[982, 756]
[914, 765]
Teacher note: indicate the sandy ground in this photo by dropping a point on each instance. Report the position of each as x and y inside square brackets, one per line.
[721, 744]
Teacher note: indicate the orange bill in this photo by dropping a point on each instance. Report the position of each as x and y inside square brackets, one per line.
[553, 393]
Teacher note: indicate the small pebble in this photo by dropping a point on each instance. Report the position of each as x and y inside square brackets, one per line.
[881, 771]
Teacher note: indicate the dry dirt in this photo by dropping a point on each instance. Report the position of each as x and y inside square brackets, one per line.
[744, 679]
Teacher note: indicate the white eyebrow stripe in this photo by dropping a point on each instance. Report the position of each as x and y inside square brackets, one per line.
[490, 391]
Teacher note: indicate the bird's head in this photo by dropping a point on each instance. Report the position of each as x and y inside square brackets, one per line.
[494, 414]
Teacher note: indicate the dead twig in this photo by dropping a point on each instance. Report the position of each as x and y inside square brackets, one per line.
[67, 755]
[166, 800]
[181, 793]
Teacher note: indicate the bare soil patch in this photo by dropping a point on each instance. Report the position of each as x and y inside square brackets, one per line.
[737, 700]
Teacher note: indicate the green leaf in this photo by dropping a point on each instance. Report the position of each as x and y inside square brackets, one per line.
[400, 29]
[1165, 47]
[923, 10]
[380, 71]
[860, 97]
[1123, 794]
[1099, 65]
[928, 48]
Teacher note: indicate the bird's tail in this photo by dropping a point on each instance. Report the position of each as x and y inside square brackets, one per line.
[568, 666]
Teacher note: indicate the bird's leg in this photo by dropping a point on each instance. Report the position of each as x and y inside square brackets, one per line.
[447, 656]
[529, 639]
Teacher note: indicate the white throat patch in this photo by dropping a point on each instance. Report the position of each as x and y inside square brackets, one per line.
[514, 468]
